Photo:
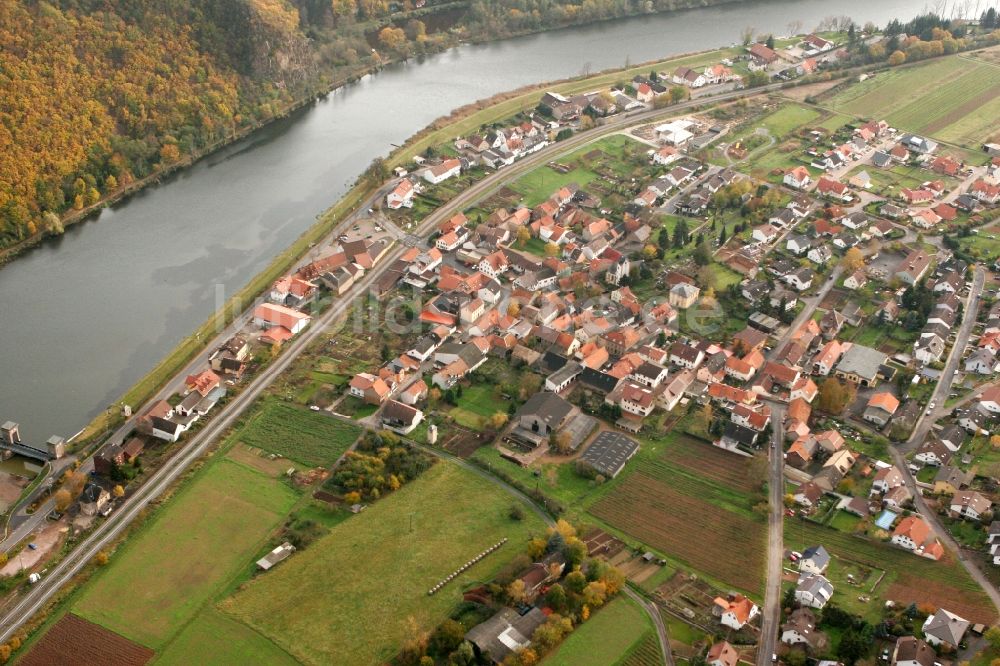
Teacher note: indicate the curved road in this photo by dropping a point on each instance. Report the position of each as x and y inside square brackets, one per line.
[161, 480]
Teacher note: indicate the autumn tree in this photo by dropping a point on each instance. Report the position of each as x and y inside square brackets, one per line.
[551, 249]
[853, 260]
[897, 58]
[498, 420]
[118, 491]
[63, 499]
[833, 396]
[516, 592]
[101, 558]
[391, 38]
[523, 236]
[560, 442]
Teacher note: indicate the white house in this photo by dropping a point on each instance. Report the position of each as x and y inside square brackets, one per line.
[813, 590]
[736, 611]
[442, 172]
[401, 196]
[798, 178]
[945, 628]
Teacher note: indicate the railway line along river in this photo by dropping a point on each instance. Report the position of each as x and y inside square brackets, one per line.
[84, 316]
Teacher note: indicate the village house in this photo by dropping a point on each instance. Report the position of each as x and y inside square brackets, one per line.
[442, 172]
[722, 654]
[280, 323]
[800, 630]
[911, 651]
[401, 196]
[798, 178]
[944, 629]
[813, 591]
[736, 611]
[969, 504]
[370, 388]
[881, 408]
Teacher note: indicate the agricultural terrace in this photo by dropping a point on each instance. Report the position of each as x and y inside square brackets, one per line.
[374, 570]
[162, 577]
[614, 159]
[610, 634]
[309, 438]
[909, 578]
[693, 502]
[213, 638]
[954, 99]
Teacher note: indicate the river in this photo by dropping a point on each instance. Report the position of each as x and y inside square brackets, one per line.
[84, 316]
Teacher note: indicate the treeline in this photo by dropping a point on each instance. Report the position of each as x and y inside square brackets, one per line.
[98, 94]
[926, 36]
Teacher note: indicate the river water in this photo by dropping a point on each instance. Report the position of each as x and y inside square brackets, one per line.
[84, 316]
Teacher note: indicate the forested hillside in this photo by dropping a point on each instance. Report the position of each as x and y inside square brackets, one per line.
[99, 93]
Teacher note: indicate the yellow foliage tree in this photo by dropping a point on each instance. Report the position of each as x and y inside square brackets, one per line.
[391, 38]
[118, 491]
[853, 260]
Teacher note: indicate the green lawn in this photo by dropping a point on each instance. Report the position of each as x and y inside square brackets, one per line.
[354, 594]
[539, 184]
[478, 402]
[908, 577]
[557, 480]
[310, 438]
[186, 553]
[213, 638]
[787, 119]
[605, 638]
[843, 521]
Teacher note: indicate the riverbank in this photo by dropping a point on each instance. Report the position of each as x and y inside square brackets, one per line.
[374, 65]
[460, 121]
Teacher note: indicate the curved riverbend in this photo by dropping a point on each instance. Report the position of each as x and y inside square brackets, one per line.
[84, 316]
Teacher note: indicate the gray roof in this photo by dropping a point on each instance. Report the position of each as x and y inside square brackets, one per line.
[547, 407]
[816, 585]
[505, 632]
[609, 452]
[820, 558]
[862, 361]
[946, 627]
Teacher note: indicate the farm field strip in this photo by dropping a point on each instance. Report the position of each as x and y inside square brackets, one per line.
[924, 112]
[696, 532]
[75, 640]
[385, 559]
[197, 542]
[895, 88]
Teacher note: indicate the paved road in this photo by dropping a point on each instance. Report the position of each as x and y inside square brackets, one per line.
[812, 302]
[161, 479]
[771, 616]
[940, 394]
